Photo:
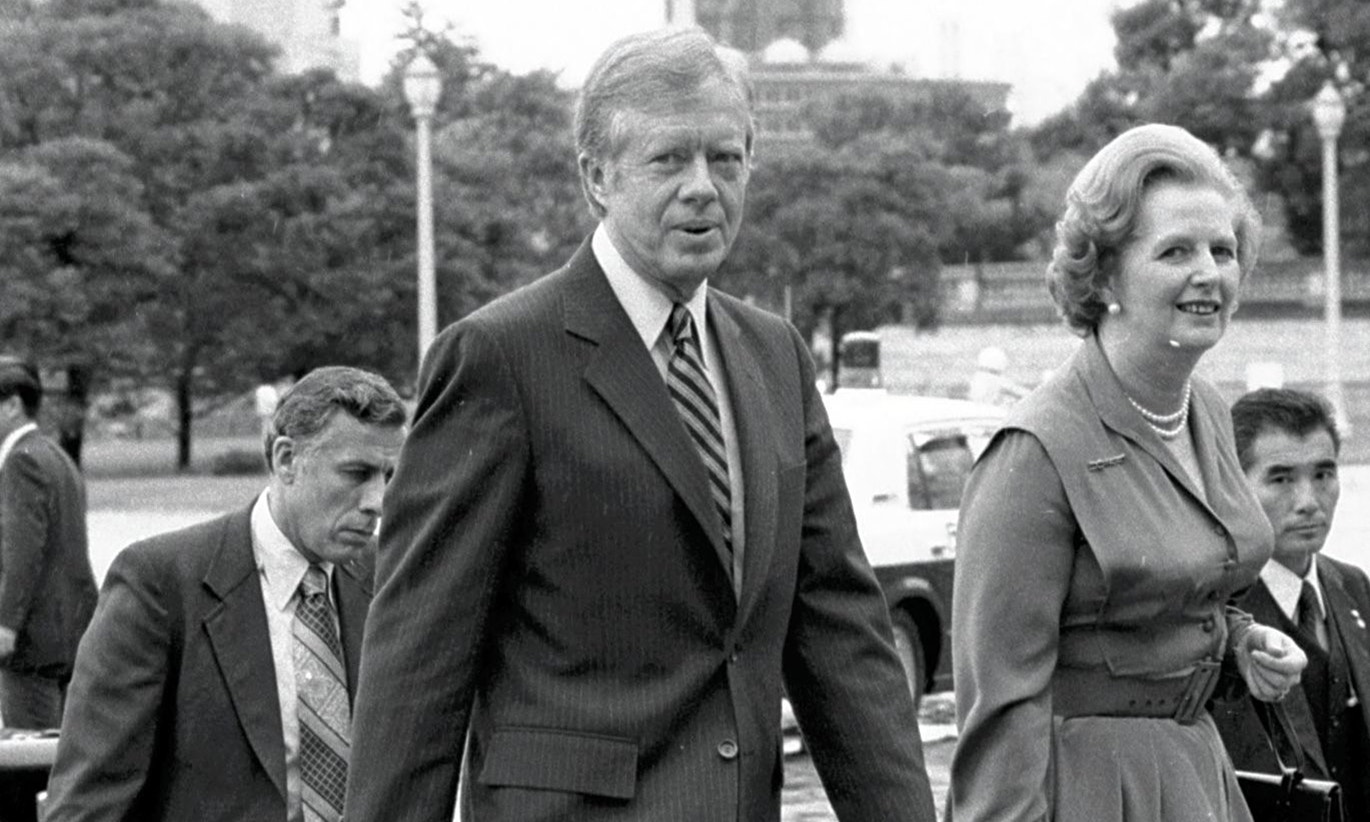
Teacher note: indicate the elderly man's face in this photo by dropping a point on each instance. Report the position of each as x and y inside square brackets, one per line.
[673, 193]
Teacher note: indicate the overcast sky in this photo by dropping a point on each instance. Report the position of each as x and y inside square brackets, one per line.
[1048, 49]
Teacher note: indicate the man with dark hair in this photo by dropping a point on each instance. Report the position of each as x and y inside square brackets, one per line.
[215, 682]
[620, 529]
[47, 588]
[1288, 445]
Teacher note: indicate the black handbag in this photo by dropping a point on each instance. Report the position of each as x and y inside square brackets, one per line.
[1287, 796]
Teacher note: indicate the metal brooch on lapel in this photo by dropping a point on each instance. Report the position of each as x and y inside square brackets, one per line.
[1106, 462]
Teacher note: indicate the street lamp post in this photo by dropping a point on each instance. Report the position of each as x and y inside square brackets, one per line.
[422, 87]
[1329, 113]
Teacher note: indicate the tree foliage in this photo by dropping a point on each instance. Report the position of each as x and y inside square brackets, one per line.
[207, 223]
[856, 225]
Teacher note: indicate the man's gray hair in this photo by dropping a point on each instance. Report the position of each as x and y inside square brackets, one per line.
[309, 404]
[639, 71]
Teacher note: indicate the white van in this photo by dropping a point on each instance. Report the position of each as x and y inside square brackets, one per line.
[906, 460]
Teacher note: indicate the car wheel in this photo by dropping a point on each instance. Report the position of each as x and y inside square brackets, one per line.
[909, 646]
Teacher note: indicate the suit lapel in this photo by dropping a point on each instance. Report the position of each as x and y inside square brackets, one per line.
[241, 642]
[1266, 611]
[621, 371]
[756, 446]
[1347, 616]
[1117, 413]
[353, 585]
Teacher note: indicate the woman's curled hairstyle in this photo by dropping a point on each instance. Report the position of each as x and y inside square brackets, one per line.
[1103, 206]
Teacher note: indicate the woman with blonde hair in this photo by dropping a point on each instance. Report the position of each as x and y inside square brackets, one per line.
[1108, 524]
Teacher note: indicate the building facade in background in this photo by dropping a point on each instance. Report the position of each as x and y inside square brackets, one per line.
[307, 32]
[804, 52]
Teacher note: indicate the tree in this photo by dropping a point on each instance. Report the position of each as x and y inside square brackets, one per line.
[151, 81]
[78, 255]
[1193, 63]
[850, 233]
[1321, 40]
[855, 226]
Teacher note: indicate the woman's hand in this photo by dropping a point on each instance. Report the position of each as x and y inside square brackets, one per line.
[1269, 661]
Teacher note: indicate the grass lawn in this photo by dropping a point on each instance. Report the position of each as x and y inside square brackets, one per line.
[140, 475]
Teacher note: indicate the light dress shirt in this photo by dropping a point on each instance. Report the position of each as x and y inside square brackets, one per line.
[1285, 588]
[649, 309]
[8, 444]
[281, 569]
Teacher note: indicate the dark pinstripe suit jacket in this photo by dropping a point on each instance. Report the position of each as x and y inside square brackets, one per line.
[173, 713]
[550, 579]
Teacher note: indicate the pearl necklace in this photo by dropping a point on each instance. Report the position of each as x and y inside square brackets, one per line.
[1159, 422]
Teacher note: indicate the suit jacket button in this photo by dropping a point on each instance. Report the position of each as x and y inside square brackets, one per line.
[727, 749]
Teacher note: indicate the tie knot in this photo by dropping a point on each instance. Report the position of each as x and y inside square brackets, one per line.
[315, 582]
[682, 324]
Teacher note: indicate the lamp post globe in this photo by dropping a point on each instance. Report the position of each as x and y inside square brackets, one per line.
[1329, 112]
[422, 89]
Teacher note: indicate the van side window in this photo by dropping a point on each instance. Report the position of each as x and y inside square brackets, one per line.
[938, 466]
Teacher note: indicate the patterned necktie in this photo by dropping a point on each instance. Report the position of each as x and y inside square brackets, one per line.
[694, 399]
[1308, 612]
[323, 711]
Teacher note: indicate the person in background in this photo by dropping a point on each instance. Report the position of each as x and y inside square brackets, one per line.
[990, 384]
[1108, 524]
[1288, 445]
[619, 530]
[47, 587]
[215, 681]
[265, 400]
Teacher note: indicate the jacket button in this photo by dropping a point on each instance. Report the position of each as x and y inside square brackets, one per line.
[727, 749]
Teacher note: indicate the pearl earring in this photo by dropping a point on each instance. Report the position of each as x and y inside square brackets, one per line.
[1114, 309]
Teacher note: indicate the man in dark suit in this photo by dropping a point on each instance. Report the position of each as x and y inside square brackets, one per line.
[216, 678]
[620, 526]
[47, 588]
[1288, 445]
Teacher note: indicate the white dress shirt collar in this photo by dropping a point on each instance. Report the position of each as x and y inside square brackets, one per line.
[13, 437]
[281, 565]
[1285, 587]
[647, 306]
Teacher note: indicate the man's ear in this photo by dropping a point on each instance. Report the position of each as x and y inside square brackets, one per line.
[285, 458]
[594, 178]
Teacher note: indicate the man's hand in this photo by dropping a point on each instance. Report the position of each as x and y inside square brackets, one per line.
[1269, 661]
[7, 637]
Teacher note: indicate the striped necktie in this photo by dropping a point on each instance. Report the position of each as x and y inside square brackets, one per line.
[694, 399]
[323, 711]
